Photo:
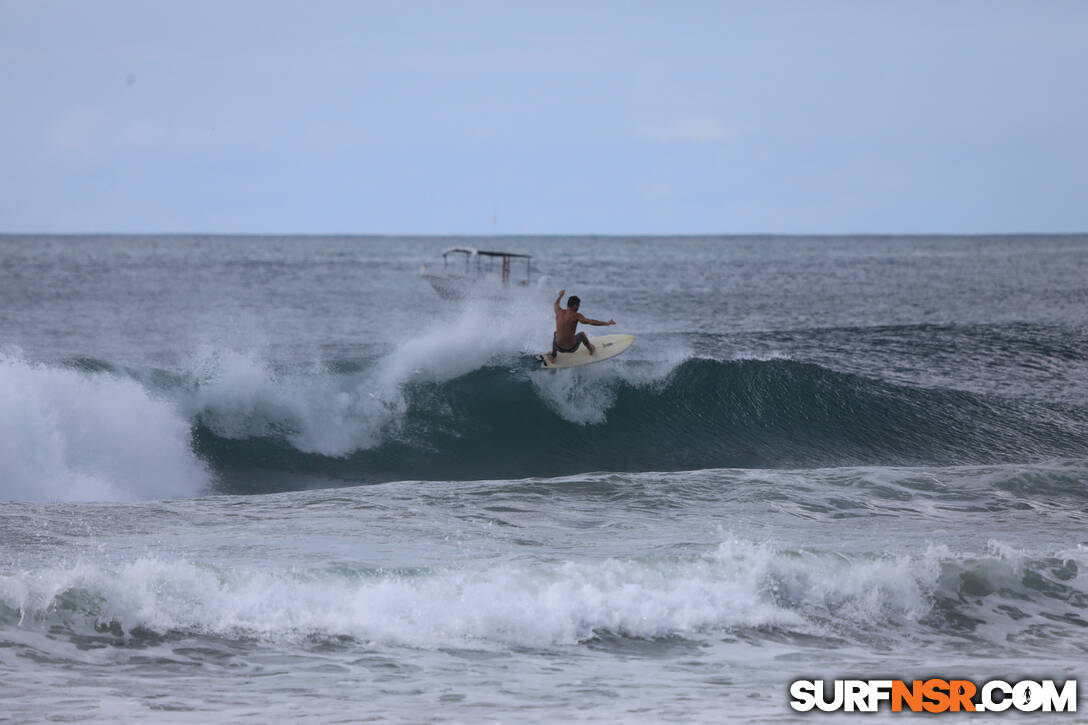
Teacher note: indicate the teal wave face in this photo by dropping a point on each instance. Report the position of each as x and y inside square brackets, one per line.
[500, 423]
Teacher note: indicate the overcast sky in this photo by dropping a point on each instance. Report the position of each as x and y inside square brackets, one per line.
[550, 118]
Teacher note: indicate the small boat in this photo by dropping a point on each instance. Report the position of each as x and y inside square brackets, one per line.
[470, 272]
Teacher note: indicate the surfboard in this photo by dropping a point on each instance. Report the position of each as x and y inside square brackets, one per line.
[605, 347]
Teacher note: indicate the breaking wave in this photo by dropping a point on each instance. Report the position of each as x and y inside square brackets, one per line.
[497, 422]
[233, 422]
[67, 435]
[999, 597]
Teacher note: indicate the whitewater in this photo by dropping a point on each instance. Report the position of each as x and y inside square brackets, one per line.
[254, 479]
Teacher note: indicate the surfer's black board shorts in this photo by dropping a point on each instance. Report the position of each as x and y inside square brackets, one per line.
[578, 340]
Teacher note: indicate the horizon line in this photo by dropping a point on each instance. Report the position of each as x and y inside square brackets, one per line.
[538, 235]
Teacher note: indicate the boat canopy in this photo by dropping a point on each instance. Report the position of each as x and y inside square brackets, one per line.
[479, 254]
[472, 252]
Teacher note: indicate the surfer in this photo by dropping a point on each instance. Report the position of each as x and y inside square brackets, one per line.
[566, 321]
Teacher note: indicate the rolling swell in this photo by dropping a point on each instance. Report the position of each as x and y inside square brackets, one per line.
[499, 423]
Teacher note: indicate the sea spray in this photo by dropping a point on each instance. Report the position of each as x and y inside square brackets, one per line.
[317, 409]
[240, 395]
[70, 435]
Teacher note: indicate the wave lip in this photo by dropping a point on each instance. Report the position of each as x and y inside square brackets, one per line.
[69, 435]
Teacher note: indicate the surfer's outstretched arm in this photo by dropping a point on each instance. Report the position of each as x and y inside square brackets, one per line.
[556, 305]
[587, 321]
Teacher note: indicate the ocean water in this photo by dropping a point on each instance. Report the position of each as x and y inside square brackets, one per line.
[267, 479]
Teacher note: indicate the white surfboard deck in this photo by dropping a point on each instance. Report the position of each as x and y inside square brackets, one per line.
[605, 347]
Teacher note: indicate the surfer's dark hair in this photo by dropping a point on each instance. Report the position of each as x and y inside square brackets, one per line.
[573, 301]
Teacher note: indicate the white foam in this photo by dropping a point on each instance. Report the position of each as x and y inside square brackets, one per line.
[479, 333]
[585, 394]
[238, 395]
[759, 355]
[550, 605]
[862, 591]
[738, 585]
[67, 435]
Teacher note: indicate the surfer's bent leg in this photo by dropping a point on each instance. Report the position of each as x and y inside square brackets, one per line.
[585, 341]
